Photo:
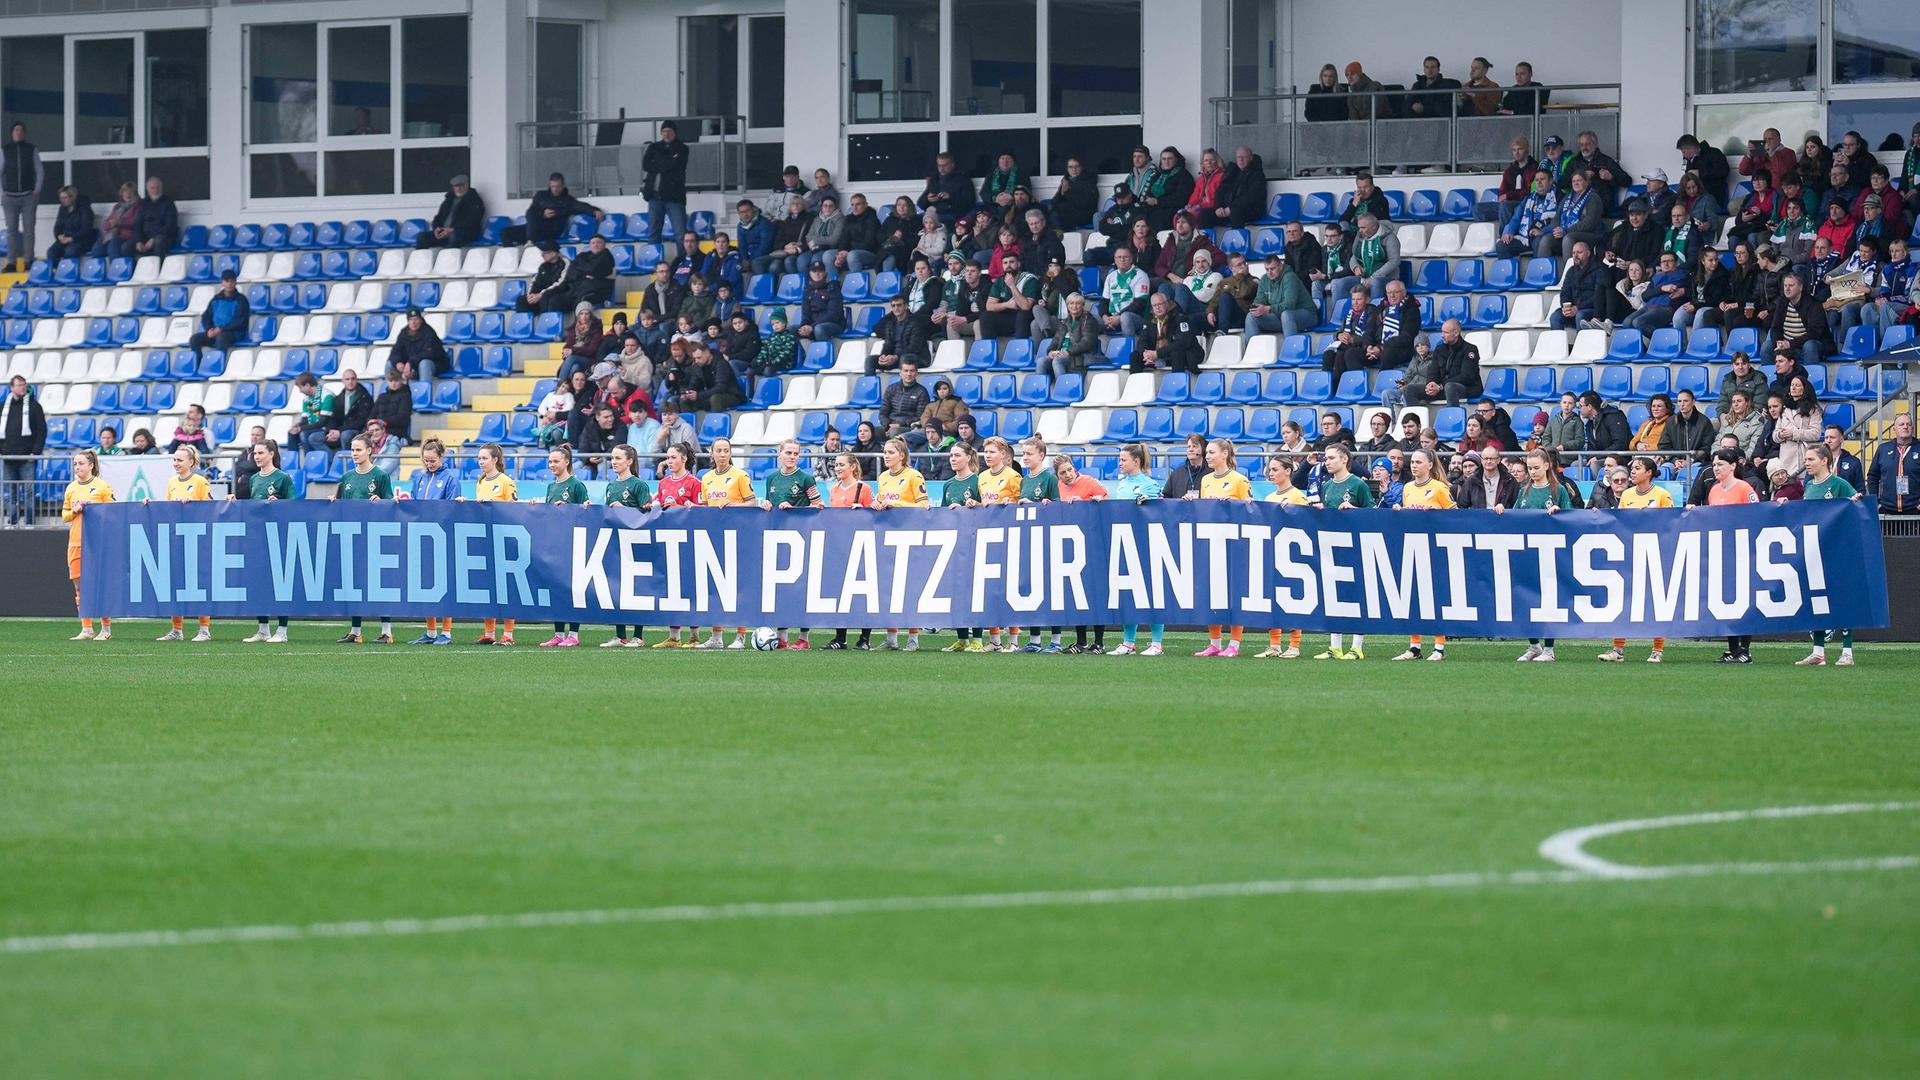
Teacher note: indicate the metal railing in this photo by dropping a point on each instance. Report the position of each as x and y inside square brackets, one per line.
[1276, 126]
[602, 156]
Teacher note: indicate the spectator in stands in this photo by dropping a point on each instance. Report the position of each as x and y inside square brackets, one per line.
[1708, 163]
[1323, 103]
[1688, 430]
[1794, 234]
[1607, 173]
[753, 234]
[23, 437]
[383, 447]
[1227, 311]
[822, 189]
[1175, 261]
[1853, 150]
[826, 235]
[1455, 373]
[903, 402]
[1116, 223]
[1872, 227]
[1797, 426]
[1375, 258]
[1711, 294]
[737, 343]
[1579, 289]
[394, 407]
[546, 289]
[1367, 199]
[1431, 98]
[1768, 156]
[74, 235]
[1005, 176]
[1327, 277]
[1605, 426]
[1145, 245]
[697, 306]
[930, 240]
[1333, 430]
[121, 230]
[653, 335]
[716, 388]
[664, 183]
[1077, 199]
[351, 409]
[963, 299]
[1039, 244]
[1582, 217]
[949, 192]
[1006, 242]
[860, 243]
[1242, 197]
[1754, 220]
[1557, 164]
[1360, 90]
[1901, 291]
[636, 367]
[1531, 228]
[457, 223]
[1865, 262]
[1659, 197]
[1206, 187]
[1073, 341]
[1841, 190]
[590, 275]
[1010, 301]
[1845, 465]
[549, 215]
[1197, 289]
[1525, 97]
[901, 343]
[1635, 238]
[580, 342]
[1380, 439]
[1741, 375]
[1125, 294]
[1497, 423]
[1704, 479]
[1056, 284]
[1786, 368]
[1667, 289]
[663, 296]
[21, 177]
[1565, 430]
[1478, 437]
[1281, 304]
[309, 429]
[1653, 430]
[159, 222]
[790, 239]
[1167, 188]
[1359, 331]
[417, 351]
[1516, 181]
[142, 443]
[1814, 166]
[675, 430]
[1799, 324]
[600, 437]
[1743, 423]
[823, 314]
[780, 202]
[225, 320]
[1483, 98]
[1701, 204]
[1167, 341]
[1484, 483]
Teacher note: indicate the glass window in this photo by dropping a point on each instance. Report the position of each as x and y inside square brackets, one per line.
[433, 67]
[764, 163]
[710, 68]
[906, 155]
[1093, 57]
[428, 168]
[1747, 45]
[360, 172]
[1100, 149]
[186, 178]
[360, 81]
[176, 88]
[895, 47]
[1875, 120]
[1730, 126]
[54, 177]
[557, 94]
[35, 89]
[284, 85]
[977, 152]
[103, 91]
[99, 181]
[283, 176]
[992, 57]
[1875, 41]
[767, 73]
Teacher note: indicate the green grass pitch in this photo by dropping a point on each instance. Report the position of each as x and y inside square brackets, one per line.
[159, 787]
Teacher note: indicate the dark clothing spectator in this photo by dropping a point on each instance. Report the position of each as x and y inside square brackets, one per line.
[23, 435]
[902, 404]
[120, 232]
[224, 323]
[1597, 163]
[1524, 99]
[1075, 202]
[1323, 103]
[465, 215]
[546, 290]
[1375, 204]
[1693, 434]
[1171, 339]
[548, 218]
[423, 354]
[1472, 494]
[1582, 287]
[956, 195]
[76, 223]
[1432, 99]
[822, 308]
[1036, 251]
[715, 387]
[1894, 477]
[1398, 330]
[663, 298]
[1517, 181]
[590, 278]
[350, 413]
[1243, 193]
[1710, 163]
[664, 185]
[901, 339]
[1166, 194]
[1607, 430]
[753, 239]
[1457, 370]
[394, 408]
[1814, 341]
[1305, 257]
[861, 240]
[159, 226]
[1181, 479]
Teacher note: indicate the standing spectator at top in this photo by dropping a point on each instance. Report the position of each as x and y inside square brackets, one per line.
[1486, 101]
[159, 221]
[226, 319]
[783, 193]
[754, 235]
[1525, 97]
[23, 437]
[1367, 199]
[1709, 163]
[1206, 187]
[949, 191]
[549, 215]
[121, 230]
[1607, 173]
[1768, 155]
[417, 352]
[73, 231]
[1243, 192]
[1077, 199]
[1517, 180]
[664, 183]
[1893, 479]
[1000, 183]
[1360, 87]
[21, 176]
[457, 223]
[1168, 187]
[823, 189]
[1323, 103]
[1431, 99]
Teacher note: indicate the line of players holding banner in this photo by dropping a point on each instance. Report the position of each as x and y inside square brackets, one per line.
[980, 478]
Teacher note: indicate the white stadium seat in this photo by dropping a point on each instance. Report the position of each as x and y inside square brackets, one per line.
[53, 399]
[1225, 351]
[1527, 310]
[1515, 348]
[127, 367]
[780, 427]
[505, 263]
[1479, 238]
[173, 269]
[477, 263]
[833, 391]
[852, 357]
[73, 367]
[1550, 348]
[1413, 239]
[120, 300]
[280, 265]
[1103, 388]
[1088, 425]
[393, 264]
[46, 334]
[485, 295]
[1052, 426]
[254, 267]
[146, 271]
[93, 302]
[799, 392]
[1588, 346]
[749, 429]
[949, 355]
[1138, 390]
[1444, 240]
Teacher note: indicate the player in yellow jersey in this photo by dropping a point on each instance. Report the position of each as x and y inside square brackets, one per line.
[85, 489]
[1222, 481]
[726, 484]
[1000, 486]
[187, 485]
[1427, 491]
[1282, 644]
[494, 485]
[1642, 494]
[900, 485]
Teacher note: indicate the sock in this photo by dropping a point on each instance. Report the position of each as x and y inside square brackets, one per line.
[1129, 633]
[1846, 640]
[893, 638]
[1056, 637]
[206, 621]
[106, 624]
[866, 637]
[1275, 637]
[86, 624]
[1439, 642]
[1619, 644]
[1080, 637]
[1100, 637]
[178, 622]
[913, 636]
[283, 622]
[559, 629]
[1659, 644]
[1413, 641]
[1213, 637]
[386, 627]
[1159, 633]
[490, 624]
[1333, 643]
[673, 632]
[1359, 642]
[263, 624]
[1234, 634]
[356, 624]
[510, 627]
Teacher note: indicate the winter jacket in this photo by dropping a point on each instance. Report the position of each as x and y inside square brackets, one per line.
[543, 229]
[664, 166]
[465, 214]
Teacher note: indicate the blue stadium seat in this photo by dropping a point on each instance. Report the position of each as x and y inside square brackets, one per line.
[1317, 207]
[182, 364]
[1235, 241]
[219, 238]
[1352, 388]
[819, 356]
[1068, 389]
[1176, 388]
[246, 238]
[970, 389]
[1450, 422]
[497, 362]
[1001, 390]
[1123, 425]
[790, 289]
[886, 284]
[1451, 306]
[1032, 390]
[375, 329]
[1267, 242]
[213, 364]
[1429, 276]
[493, 428]
[1664, 346]
[856, 287]
[1280, 386]
[1840, 413]
[1118, 351]
[1263, 425]
[1423, 205]
[813, 429]
[1649, 381]
[540, 390]
[1542, 273]
[1283, 208]
[82, 431]
[869, 318]
[1015, 424]
[1625, 346]
[447, 395]
[1502, 383]
[1703, 343]
[1229, 423]
[1489, 311]
[1576, 380]
[155, 365]
[1207, 388]
[1691, 377]
[1850, 381]
[1616, 383]
[1192, 420]
[399, 297]
[133, 398]
[1018, 354]
[1744, 339]
[1537, 384]
[246, 398]
[362, 263]
[546, 327]
[1156, 425]
[759, 289]
[768, 393]
[1244, 387]
[1316, 387]
[1817, 375]
[333, 266]
[520, 429]
[1464, 275]
[326, 362]
[293, 362]
[1862, 342]
[1459, 205]
[93, 271]
[273, 396]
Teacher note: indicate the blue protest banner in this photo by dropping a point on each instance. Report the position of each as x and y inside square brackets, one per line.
[1769, 568]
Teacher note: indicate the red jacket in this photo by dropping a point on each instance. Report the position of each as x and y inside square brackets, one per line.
[1839, 234]
[1517, 181]
[1206, 192]
[1780, 163]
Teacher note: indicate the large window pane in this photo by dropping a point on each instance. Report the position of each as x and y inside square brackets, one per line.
[429, 168]
[35, 91]
[557, 94]
[283, 176]
[360, 81]
[284, 83]
[906, 155]
[993, 61]
[433, 67]
[711, 65]
[896, 60]
[767, 72]
[1874, 120]
[1730, 126]
[176, 88]
[765, 160]
[1093, 57]
[977, 152]
[1875, 41]
[1747, 45]
[103, 91]
[99, 181]
[360, 172]
[186, 178]
[1100, 149]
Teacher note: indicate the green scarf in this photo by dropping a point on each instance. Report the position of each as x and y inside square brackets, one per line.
[1371, 251]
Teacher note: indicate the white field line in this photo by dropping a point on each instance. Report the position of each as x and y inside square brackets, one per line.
[1568, 848]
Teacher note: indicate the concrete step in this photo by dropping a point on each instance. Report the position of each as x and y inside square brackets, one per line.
[541, 369]
[494, 403]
